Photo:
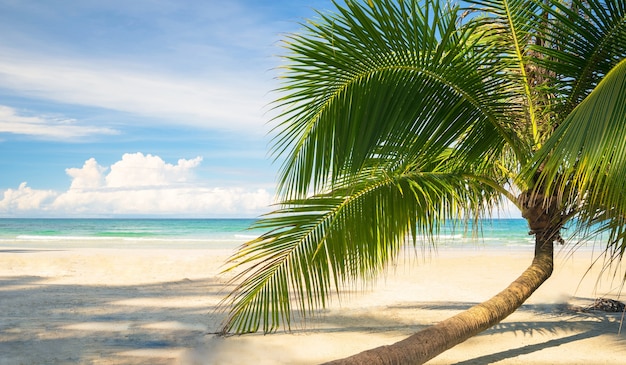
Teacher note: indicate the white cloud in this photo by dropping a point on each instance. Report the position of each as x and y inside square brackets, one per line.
[139, 170]
[138, 184]
[11, 121]
[196, 63]
[207, 103]
[25, 199]
[230, 101]
[90, 176]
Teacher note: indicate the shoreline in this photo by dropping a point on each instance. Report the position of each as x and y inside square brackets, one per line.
[137, 305]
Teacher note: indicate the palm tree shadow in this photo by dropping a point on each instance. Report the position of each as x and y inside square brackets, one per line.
[149, 323]
[503, 355]
[560, 319]
[583, 324]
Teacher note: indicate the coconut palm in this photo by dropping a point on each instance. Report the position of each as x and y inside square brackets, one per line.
[399, 116]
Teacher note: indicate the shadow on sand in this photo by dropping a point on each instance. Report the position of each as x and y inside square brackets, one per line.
[155, 323]
[562, 325]
[44, 323]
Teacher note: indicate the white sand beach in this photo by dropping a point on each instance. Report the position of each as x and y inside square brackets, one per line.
[156, 306]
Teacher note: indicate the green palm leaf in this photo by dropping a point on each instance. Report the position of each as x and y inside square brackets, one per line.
[315, 246]
[585, 42]
[397, 119]
[584, 163]
[373, 81]
[513, 21]
[397, 116]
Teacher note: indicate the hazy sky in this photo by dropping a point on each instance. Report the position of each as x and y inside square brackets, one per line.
[139, 107]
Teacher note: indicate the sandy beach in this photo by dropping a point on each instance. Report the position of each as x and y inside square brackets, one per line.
[157, 306]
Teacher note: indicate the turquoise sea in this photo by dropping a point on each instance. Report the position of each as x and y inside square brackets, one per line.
[210, 233]
[125, 233]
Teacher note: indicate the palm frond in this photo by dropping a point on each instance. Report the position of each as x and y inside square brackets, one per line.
[514, 23]
[375, 79]
[584, 163]
[584, 40]
[317, 245]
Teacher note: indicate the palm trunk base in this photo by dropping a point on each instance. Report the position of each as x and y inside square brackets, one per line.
[432, 341]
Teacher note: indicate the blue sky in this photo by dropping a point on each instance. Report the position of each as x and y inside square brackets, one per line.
[139, 108]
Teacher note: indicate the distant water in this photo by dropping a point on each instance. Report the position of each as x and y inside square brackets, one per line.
[212, 233]
[122, 233]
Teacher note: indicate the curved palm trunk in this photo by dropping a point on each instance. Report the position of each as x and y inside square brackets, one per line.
[432, 341]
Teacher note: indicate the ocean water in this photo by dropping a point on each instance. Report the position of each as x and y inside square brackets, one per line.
[214, 233]
[126, 233]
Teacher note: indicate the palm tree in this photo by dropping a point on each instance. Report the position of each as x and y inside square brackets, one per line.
[399, 116]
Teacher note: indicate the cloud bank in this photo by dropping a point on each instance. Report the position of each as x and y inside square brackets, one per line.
[136, 185]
